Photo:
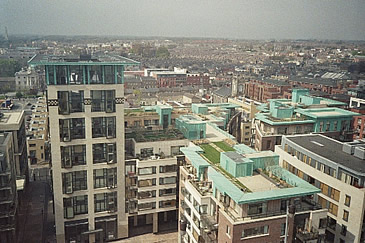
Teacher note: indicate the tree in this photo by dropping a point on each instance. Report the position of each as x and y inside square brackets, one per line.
[19, 95]
[162, 52]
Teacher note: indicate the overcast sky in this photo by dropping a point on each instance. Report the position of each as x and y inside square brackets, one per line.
[247, 19]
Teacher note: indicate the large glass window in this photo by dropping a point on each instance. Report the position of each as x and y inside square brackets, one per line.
[96, 74]
[103, 101]
[105, 178]
[76, 74]
[61, 75]
[74, 181]
[168, 203]
[109, 76]
[74, 230]
[72, 129]
[168, 192]
[73, 155]
[104, 152]
[146, 152]
[74, 206]
[105, 202]
[103, 127]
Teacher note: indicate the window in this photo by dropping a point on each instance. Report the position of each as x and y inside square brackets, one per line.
[146, 194]
[75, 206]
[105, 178]
[167, 180]
[32, 145]
[148, 182]
[76, 74]
[72, 129]
[167, 204]
[70, 101]
[95, 74]
[74, 181]
[109, 75]
[345, 215]
[257, 208]
[175, 150]
[105, 202]
[103, 101]
[282, 229]
[104, 152]
[147, 170]
[343, 230]
[73, 155]
[228, 230]
[347, 200]
[146, 206]
[103, 127]
[146, 152]
[168, 192]
[168, 168]
[255, 231]
[108, 225]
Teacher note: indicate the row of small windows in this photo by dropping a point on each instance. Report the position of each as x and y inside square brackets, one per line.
[75, 155]
[344, 177]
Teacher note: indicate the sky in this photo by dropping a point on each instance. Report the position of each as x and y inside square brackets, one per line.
[243, 19]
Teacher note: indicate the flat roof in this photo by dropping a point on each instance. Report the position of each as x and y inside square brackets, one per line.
[326, 112]
[330, 149]
[11, 118]
[96, 59]
[257, 183]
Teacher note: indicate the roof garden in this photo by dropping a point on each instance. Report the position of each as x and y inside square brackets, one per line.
[246, 177]
[155, 135]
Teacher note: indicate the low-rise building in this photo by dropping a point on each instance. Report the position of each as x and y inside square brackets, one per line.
[29, 79]
[8, 189]
[151, 170]
[234, 194]
[338, 170]
[14, 122]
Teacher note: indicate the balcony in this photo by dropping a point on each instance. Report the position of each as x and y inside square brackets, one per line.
[203, 187]
[305, 236]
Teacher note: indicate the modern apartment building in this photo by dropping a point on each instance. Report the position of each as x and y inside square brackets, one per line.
[338, 170]
[37, 133]
[86, 125]
[300, 115]
[8, 189]
[235, 194]
[14, 122]
[152, 163]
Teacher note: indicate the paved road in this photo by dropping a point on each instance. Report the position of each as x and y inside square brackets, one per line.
[32, 213]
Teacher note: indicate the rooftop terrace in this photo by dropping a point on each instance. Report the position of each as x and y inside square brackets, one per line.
[154, 135]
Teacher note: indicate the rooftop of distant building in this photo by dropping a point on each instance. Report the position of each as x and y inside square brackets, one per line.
[95, 59]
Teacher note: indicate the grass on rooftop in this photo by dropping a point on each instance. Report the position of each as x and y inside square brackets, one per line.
[224, 146]
[211, 153]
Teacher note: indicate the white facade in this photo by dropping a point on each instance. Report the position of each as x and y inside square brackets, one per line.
[353, 208]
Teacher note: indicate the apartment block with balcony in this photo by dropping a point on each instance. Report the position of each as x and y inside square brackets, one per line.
[8, 189]
[337, 169]
[152, 166]
[301, 115]
[86, 126]
[37, 134]
[14, 122]
[235, 194]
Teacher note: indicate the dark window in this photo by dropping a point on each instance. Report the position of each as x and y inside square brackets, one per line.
[104, 152]
[103, 101]
[103, 127]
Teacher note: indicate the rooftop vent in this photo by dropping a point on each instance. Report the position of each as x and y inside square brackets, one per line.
[349, 148]
[359, 151]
